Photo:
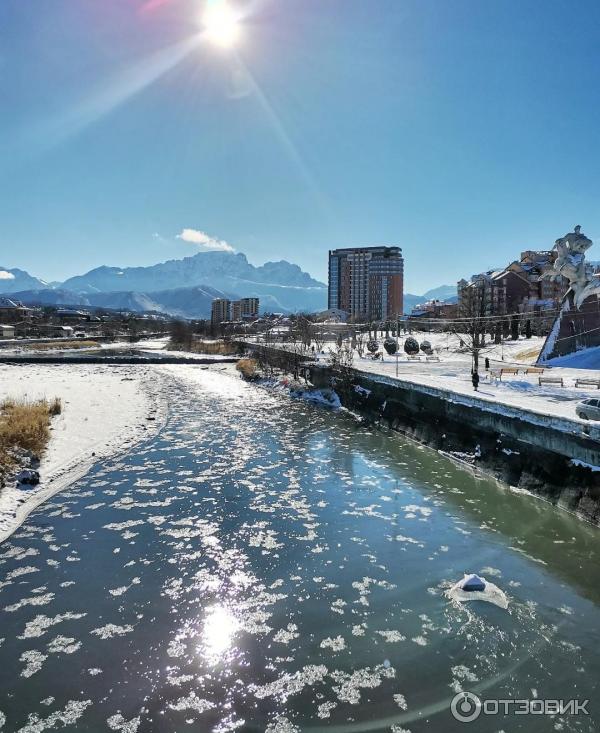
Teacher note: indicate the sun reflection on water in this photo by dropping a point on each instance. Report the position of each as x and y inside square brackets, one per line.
[219, 629]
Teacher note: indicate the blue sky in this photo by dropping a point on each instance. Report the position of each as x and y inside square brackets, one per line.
[463, 131]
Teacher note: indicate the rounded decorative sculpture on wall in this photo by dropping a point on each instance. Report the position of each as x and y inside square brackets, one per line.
[372, 346]
[390, 346]
[411, 346]
[426, 347]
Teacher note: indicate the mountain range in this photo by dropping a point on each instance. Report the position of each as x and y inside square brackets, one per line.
[185, 287]
[443, 292]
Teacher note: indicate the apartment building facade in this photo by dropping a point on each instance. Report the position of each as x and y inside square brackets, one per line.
[244, 309]
[518, 288]
[220, 311]
[223, 310]
[367, 283]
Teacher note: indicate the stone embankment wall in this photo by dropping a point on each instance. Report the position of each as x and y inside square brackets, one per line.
[550, 457]
[574, 329]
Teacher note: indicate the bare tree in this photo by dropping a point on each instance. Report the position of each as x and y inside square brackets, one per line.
[303, 329]
[318, 337]
[474, 303]
[360, 343]
[340, 360]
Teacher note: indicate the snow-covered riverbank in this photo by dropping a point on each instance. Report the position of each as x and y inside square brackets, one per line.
[105, 409]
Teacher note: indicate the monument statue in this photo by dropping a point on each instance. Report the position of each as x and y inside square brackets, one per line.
[570, 263]
[577, 325]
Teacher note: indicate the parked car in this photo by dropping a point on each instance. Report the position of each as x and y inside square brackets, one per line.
[589, 409]
[79, 335]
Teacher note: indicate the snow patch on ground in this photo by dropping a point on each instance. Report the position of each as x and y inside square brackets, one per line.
[584, 359]
[583, 464]
[104, 411]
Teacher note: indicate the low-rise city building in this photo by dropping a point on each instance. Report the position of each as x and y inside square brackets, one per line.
[439, 309]
[521, 287]
[12, 311]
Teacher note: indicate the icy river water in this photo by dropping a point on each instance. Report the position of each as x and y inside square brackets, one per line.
[266, 565]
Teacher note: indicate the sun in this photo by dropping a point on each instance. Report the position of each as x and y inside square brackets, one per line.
[221, 24]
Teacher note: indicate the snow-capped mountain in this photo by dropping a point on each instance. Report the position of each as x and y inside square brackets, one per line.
[180, 302]
[223, 270]
[12, 280]
[443, 292]
[180, 287]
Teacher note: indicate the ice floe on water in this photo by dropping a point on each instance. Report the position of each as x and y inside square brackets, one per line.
[391, 635]
[348, 686]
[280, 563]
[176, 648]
[18, 572]
[192, 702]
[489, 593]
[37, 600]
[284, 636]
[400, 701]
[282, 725]
[336, 645]
[64, 644]
[119, 723]
[110, 630]
[73, 710]
[33, 662]
[41, 623]
[289, 684]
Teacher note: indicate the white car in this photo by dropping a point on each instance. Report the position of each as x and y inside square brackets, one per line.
[589, 409]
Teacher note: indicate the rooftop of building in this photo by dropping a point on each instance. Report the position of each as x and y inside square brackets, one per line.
[390, 249]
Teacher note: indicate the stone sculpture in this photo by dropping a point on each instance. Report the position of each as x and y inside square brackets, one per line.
[570, 263]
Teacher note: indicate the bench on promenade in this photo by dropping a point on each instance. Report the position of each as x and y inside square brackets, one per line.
[414, 358]
[588, 383]
[551, 380]
[498, 373]
[534, 370]
[432, 358]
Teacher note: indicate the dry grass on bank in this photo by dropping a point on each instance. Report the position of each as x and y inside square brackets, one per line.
[24, 426]
[51, 346]
[248, 368]
[528, 354]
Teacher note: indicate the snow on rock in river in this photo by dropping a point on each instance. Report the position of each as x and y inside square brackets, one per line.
[104, 409]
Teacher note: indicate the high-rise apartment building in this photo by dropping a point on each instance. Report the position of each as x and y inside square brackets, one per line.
[233, 310]
[244, 308]
[367, 282]
[220, 310]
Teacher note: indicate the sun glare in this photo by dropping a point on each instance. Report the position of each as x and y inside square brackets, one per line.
[220, 627]
[221, 24]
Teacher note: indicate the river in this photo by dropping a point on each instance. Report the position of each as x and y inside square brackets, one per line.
[266, 565]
